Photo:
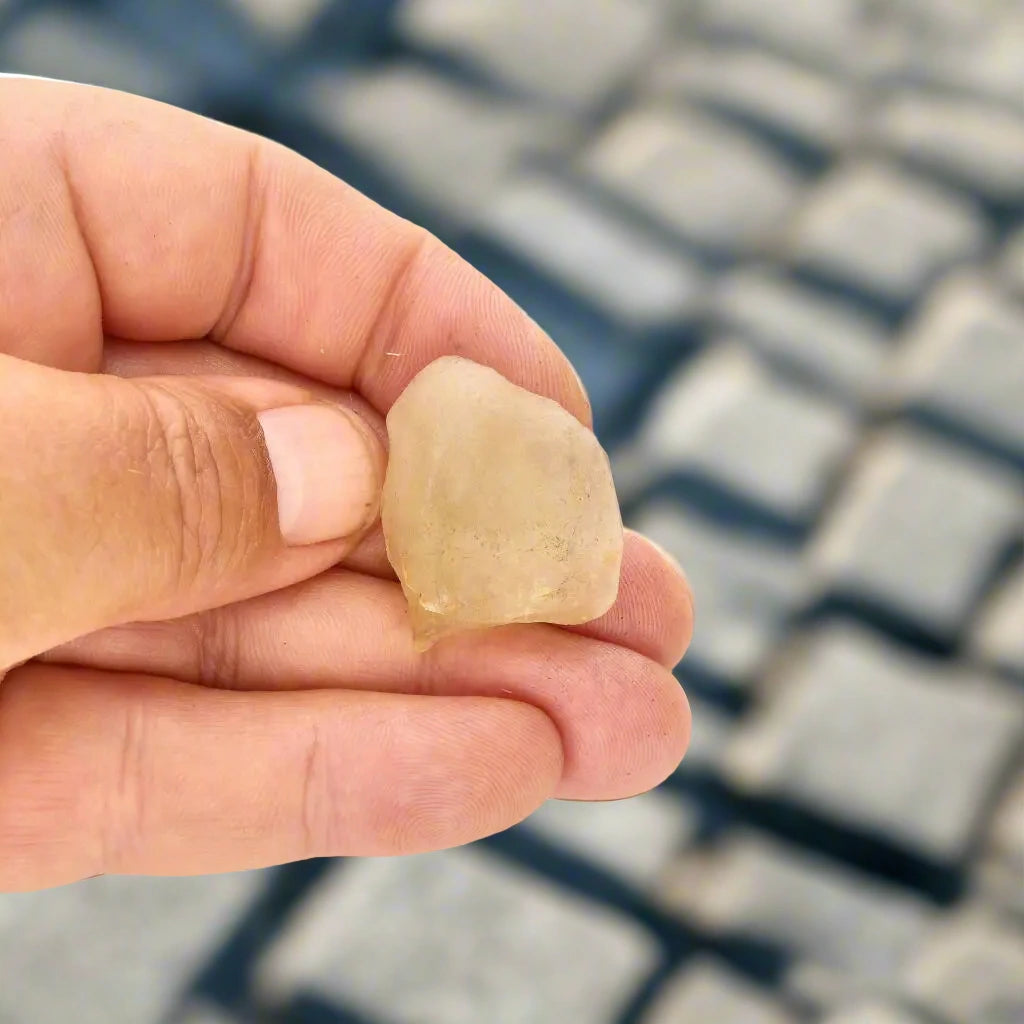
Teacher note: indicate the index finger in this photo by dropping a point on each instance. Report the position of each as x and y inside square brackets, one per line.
[129, 218]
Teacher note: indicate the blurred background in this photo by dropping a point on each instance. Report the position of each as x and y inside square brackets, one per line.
[783, 241]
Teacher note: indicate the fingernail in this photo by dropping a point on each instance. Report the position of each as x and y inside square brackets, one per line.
[327, 469]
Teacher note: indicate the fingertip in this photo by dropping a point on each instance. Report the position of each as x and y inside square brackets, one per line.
[664, 576]
[523, 755]
[653, 614]
[651, 739]
[495, 762]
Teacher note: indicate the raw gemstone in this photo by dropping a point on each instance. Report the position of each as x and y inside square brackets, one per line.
[498, 506]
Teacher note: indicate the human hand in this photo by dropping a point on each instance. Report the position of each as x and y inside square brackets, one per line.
[208, 663]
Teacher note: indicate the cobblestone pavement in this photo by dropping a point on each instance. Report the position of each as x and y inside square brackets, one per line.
[783, 240]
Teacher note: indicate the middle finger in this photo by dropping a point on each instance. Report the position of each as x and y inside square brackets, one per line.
[623, 718]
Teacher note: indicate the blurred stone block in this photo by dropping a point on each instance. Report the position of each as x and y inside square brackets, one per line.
[63, 43]
[283, 21]
[975, 145]
[457, 937]
[705, 993]
[824, 917]
[795, 104]
[822, 342]
[595, 255]
[971, 971]
[961, 364]
[998, 636]
[916, 531]
[634, 838]
[977, 55]
[114, 950]
[823, 32]
[747, 588]
[725, 422]
[572, 52]
[886, 742]
[880, 232]
[710, 183]
[446, 146]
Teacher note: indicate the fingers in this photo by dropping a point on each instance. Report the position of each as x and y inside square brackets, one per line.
[623, 719]
[138, 775]
[654, 613]
[154, 224]
[123, 500]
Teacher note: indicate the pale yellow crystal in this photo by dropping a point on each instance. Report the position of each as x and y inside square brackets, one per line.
[498, 506]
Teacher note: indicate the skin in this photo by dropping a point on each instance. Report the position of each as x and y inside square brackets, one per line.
[230, 701]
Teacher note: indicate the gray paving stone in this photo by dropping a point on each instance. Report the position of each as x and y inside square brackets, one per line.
[711, 183]
[448, 146]
[973, 144]
[55, 42]
[793, 102]
[882, 740]
[727, 422]
[971, 971]
[595, 254]
[884, 545]
[998, 636]
[941, 19]
[962, 361]
[573, 52]
[113, 950]
[283, 21]
[882, 232]
[747, 586]
[1012, 264]
[457, 938]
[826, 917]
[825, 32]
[705, 992]
[874, 1013]
[823, 342]
[978, 57]
[635, 838]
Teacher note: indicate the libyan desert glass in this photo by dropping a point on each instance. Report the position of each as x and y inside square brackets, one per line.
[498, 506]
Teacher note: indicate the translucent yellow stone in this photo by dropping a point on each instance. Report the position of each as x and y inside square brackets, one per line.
[498, 506]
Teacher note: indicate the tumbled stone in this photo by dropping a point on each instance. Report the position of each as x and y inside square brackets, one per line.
[498, 506]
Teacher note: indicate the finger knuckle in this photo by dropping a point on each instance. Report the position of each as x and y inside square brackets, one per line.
[218, 644]
[194, 453]
[122, 822]
[318, 806]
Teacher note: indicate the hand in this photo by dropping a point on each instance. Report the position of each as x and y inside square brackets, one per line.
[208, 665]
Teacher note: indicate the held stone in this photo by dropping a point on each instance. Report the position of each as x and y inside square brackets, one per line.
[498, 506]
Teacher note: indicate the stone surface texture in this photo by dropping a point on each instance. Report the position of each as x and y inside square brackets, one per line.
[498, 506]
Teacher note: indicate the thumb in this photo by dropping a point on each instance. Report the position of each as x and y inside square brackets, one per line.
[125, 500]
